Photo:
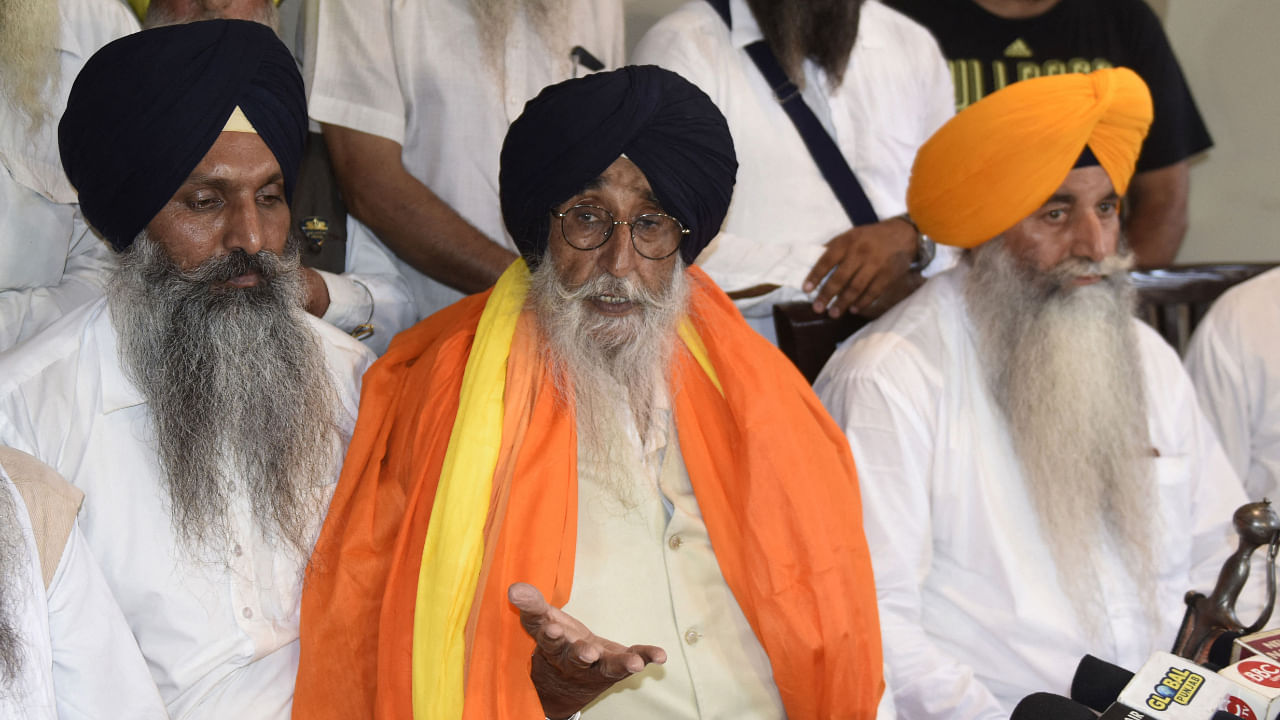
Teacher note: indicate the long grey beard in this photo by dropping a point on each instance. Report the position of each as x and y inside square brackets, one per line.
[11, 599]
[607, 366]
[1064, 367]
[29, 57]
[495, 18]
[176, 12]
[820, 30]
[243, 404]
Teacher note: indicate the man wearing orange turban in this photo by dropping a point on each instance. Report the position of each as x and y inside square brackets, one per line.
[602, 428]
[1037, 480]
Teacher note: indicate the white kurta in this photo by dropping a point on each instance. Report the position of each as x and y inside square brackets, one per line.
[220, 634]
[971, 609]
[79, 659]
[415, 72]
[50, 262]
[896, 93]
[1234, 361]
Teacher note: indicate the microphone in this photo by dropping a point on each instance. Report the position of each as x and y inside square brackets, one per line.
[1097, 683]
[1260, 675]
[1047, 706]
[1167, 686]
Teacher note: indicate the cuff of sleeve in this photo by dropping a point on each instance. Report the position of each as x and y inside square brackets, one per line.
[350, 303]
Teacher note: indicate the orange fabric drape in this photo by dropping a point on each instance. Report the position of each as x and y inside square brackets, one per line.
[771, 471]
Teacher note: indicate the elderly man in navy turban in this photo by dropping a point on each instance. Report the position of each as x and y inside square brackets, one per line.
[201, 411]
[598, 451]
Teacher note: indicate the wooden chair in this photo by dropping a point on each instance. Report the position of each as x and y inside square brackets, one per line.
[808, 338]
[1173, 300]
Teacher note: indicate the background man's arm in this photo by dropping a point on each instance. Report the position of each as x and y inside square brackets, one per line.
[407, 216]
[1157, 218]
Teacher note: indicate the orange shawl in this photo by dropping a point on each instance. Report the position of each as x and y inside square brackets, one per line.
[772, 473]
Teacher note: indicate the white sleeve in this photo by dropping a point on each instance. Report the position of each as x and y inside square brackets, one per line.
[1217, 494]
[98, 671]
[25, 312]
[354, 82]
[892, 447]
[1214, 366]
[372, 291]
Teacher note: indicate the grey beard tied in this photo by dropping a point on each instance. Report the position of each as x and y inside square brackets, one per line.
[12, 652]
[607, 366]
[243, 406]
[823, 31]
[1064, 368]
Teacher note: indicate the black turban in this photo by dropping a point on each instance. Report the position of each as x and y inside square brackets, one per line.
[573, 131]
[146, 108]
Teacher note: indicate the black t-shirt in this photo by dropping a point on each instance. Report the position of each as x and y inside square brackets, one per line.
[987, 52]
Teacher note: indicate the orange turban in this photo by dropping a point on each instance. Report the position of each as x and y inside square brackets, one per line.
[999, 159]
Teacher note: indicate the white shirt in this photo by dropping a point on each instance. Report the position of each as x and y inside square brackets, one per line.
[1234, 361]
[415, 72]
[50, 262]
[220, 634]
[79, 659]
[896, 93]
[971, 609]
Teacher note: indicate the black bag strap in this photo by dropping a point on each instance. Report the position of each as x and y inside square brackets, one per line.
[831, 163]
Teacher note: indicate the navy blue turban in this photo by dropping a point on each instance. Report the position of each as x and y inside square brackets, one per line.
[573, 131]
[146, 108]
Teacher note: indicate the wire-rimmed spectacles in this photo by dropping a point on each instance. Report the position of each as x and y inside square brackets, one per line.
[655, 236]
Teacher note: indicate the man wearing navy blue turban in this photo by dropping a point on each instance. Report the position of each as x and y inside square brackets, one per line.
[602, 442]
[198, 407]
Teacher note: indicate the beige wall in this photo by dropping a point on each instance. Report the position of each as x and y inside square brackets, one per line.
[1227, 50]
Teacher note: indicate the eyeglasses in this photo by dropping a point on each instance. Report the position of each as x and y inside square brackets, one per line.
[655, 236]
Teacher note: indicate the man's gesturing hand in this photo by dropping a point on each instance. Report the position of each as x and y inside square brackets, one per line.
[864, 262]
[571, 665]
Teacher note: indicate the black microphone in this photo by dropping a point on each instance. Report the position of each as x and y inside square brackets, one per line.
[1167, 686]
[1097, 683]
[1047, 706]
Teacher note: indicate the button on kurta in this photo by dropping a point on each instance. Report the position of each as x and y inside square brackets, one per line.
[248, 613]
[691, 636]
[675, 542]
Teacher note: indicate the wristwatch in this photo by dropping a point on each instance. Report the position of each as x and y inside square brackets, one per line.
[925, 247]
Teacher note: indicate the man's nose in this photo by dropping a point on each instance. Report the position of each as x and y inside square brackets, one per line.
[244, 228]
[1094, 238]
[618, 257]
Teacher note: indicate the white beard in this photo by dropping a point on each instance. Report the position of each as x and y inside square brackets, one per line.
[612, 370]
[29, 57]
[1064, 367]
